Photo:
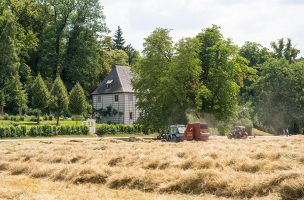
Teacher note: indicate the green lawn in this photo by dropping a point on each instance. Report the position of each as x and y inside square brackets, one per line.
[6, 123]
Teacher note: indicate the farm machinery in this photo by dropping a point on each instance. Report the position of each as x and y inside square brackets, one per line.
[238, 132]
[176, 133]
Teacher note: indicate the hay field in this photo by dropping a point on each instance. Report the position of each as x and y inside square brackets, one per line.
[270, 168]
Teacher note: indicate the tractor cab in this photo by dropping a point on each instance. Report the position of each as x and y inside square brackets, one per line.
[174, 133]
[238, 132]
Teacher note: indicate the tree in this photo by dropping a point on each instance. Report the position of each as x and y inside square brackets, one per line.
[82, 59]
[16, 96]
[118, 40]
[40, 96]
[279, 95]
[59, 15]
[2, 101]
[223, 73]
[255, 53]
[284, 50]
[133, 55]
[77, 100]
[166, 82]
[108, 59]
[9, 61]
[59, 99]
[82, 51]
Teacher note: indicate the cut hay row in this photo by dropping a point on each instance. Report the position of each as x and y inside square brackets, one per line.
[225, 168]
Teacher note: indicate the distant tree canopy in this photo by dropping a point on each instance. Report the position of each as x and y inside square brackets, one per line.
[57, 45]
[166, 79]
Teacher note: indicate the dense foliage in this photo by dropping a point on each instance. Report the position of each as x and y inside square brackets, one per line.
[49, 47]
[45, 130]
[43, 40]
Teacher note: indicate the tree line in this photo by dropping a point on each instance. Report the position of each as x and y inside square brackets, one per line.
[210, 77]
[51, 47]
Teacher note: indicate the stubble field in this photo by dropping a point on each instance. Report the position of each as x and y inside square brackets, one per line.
[270, 168]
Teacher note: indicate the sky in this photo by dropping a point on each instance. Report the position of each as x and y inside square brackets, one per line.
[259, 21]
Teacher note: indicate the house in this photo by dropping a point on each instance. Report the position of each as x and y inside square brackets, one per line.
[115, 99]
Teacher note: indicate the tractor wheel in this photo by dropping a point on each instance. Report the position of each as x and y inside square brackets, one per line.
[174, 138]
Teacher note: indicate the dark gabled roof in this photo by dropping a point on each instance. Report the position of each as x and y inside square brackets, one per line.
[121, 81]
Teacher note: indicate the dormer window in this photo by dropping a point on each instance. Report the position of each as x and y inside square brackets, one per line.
[109, 83]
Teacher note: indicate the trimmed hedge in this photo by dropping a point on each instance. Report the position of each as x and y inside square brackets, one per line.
[46, 130]
[119, 128]
[13, 131]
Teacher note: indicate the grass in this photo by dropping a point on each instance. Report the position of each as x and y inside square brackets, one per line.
[112, 169]
[257, 132]
[6, 123]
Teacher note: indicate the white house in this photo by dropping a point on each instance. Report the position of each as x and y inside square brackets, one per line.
[115, 97]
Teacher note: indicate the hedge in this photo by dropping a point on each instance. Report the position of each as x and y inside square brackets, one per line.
[119, 128]
[13, 131]
[46, 130]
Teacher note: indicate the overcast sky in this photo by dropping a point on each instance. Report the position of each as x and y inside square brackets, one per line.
[260, 21]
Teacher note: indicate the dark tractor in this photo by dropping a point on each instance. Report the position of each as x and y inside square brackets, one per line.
[175, 133]
[238, 132]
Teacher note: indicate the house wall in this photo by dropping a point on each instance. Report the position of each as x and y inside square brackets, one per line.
[103, 101]
[130, 102]
[125, 104]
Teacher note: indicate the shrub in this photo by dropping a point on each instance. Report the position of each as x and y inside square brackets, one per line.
[118, 128]
[13, 131]
[21, 118]
[6, 117]
[106, 129]
[48, 130]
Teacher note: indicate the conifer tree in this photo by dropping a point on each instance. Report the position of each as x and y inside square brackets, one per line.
[16, 95]
[40, 96]
[77, 100]
[59, 99]
[9, 61]
[118, 40]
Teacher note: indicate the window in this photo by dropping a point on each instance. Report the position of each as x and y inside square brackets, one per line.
[131, 115]
[109, 83]
[99, 99]
[116, 98]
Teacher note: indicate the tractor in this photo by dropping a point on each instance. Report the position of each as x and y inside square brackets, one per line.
[175, 133]
[238, 132]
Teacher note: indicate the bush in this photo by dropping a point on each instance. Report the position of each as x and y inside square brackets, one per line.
[118, 128]
[6, 117]
[13, 131]
[48, 130]
[106, 129]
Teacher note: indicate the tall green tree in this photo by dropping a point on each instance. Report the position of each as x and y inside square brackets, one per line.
[40, 96]
[255, 53]
[133, 54]
[282, 49]
[118, 40]
[83, 46]
[166, 79]
[16, 96]
[59, 15]
[223, 73]
[59, 99]
[2, 101]
[279, 99]
[9, 61]
[77, 100]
